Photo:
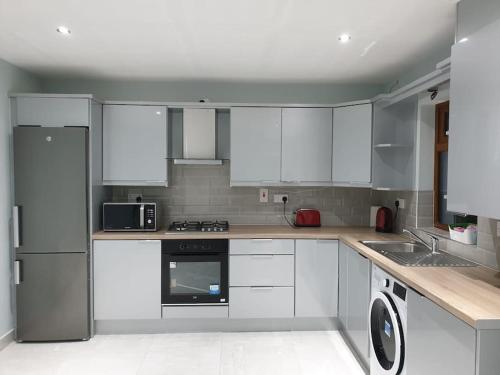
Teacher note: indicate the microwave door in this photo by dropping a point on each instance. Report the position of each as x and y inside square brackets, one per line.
[123, 217]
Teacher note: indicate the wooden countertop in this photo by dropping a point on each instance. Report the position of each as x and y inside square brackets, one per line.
[470, 293]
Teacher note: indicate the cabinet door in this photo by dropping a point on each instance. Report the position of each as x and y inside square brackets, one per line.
[358, 302]
[343, 269]
[43, 111]
[260, 302]
[352, 144]
[127, 279]
[306, 145]
[473, 162]
[255, 145]
[316, 278]
[437, 342]
[135, 144]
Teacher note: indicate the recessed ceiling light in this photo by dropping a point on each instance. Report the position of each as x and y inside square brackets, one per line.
[63, 30]
[344, 38]
[463, 40]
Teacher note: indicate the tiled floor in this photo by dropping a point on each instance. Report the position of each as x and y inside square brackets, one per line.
[274, 353]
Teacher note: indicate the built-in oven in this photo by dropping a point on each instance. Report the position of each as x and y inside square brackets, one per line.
[194, 272]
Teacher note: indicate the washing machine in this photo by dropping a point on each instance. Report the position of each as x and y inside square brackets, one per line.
[387, 324]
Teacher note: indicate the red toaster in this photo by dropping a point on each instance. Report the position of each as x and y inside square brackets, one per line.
[307, 217]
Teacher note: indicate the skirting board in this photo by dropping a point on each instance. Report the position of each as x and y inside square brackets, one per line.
[6, 339]
[107, 327]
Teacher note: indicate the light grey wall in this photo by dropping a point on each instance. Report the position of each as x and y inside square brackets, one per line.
[475, 14]
[11, 79]
[215, 91]
[203, 193]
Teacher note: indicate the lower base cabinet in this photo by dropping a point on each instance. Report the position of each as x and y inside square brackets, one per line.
[316, 278]
[127, 279]
[261, 302]
[195, 312]
[354, 299]
[438, 342]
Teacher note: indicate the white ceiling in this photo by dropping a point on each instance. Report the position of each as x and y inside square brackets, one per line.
[228, 40]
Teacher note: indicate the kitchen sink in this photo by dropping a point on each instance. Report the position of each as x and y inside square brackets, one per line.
[414, 254]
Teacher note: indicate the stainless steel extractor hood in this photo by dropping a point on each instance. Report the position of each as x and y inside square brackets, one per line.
[198, 137]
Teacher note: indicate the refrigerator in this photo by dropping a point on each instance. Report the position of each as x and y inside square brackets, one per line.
[51, 233]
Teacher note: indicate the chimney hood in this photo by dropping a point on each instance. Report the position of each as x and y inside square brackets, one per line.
[199, 137]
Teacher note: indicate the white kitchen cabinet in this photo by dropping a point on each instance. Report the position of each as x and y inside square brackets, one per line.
[135, 145]
[127, 279]
[261, 270]
[437, 342]
[52, 111]
[352, 144]
[261, 246]
[354, 301]
[316, 278]
[306, 145]
[255, 146]
[473, 160]
[261, 302]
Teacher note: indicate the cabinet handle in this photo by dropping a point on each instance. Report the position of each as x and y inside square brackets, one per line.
[146, 242]
[262, 256]
[17, 272]
[263, 288]
[262, 239]
[16, 226]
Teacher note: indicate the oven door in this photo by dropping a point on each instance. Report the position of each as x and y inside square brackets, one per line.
[194, 278]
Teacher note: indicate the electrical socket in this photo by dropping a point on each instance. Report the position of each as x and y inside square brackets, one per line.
[263, 195]
[278, 198]
[402, 203]
[132, 197]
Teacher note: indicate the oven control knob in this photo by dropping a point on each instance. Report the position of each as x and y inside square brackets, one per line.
[385, 283]
[149, 221]
[182, 246]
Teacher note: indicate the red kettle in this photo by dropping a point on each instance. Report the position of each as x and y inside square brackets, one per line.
[384, 222]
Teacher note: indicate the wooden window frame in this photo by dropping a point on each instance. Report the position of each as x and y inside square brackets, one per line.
[440, 145]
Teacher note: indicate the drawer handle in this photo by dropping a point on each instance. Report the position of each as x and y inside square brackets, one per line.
[262, 256]
[147, 242]
[262, 239]
[263, 288]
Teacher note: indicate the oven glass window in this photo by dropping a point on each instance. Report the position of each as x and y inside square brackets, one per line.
[200, 278]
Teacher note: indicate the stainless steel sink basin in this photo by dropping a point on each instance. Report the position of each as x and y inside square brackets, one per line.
[414, 254]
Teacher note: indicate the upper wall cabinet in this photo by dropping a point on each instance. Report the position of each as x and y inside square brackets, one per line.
[352, 145]
[306, 145]
[474, 158]
[135, 145]
[255, 146]
[52, 111]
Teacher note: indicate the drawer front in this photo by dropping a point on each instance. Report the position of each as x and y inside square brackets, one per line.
[261, 302]
[261, 270]
[261, 246]
[194, 312]
[53, 111]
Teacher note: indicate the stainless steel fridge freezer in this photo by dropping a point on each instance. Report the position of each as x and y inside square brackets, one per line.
[51, 233]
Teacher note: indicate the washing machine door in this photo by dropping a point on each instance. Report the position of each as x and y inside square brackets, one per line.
[386, 335]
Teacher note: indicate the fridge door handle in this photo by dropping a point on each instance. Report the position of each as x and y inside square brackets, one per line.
[17, 272]
[141, 217]
[16, 225]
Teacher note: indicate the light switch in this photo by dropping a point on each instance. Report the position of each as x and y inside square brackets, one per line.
[263, 195]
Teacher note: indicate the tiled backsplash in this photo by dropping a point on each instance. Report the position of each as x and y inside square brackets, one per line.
[203, 193]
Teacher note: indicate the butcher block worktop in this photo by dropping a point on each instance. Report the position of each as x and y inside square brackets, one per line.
[470, 293]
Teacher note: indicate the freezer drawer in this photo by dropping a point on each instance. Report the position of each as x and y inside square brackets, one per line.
[261, 246]
[261, 302]
[261, 270]
[52, 297]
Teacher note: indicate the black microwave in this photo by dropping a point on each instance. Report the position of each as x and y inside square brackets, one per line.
[129, 217]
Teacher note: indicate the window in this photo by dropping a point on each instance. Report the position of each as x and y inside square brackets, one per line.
[442, 217]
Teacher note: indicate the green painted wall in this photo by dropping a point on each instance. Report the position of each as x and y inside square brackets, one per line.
[215, 91]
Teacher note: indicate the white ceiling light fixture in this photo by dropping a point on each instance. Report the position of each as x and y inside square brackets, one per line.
[63, 30]
[344, 38]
